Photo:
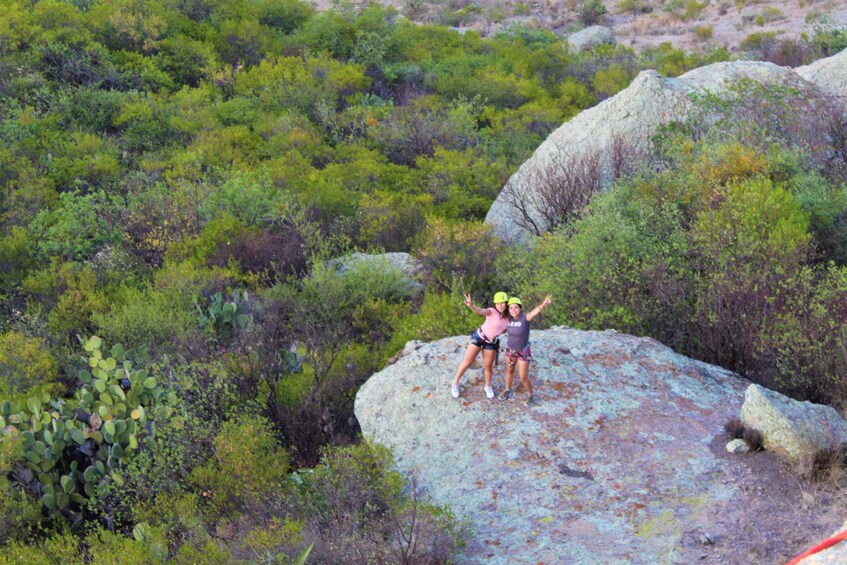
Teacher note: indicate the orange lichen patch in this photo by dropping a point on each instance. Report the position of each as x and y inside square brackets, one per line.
[416, 389]
[604, 360]
[494, 495]
[567, 390]
[632, 510]
[427, 395]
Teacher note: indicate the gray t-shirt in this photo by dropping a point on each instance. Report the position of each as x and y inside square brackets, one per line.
[518, 333]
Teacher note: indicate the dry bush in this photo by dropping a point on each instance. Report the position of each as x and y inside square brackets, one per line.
[734, 428]
[824, 463]
[753, 438]
[560, 190]
[278, 252]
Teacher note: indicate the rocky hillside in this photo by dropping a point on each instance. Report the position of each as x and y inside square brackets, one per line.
[615, 135]
[623, 460]
[637, 23]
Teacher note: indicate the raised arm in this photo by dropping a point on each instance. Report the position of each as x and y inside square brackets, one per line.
[478, 310]
[537, 310]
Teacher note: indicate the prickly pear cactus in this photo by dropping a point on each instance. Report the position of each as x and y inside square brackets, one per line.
[70, 444]
[226, 315]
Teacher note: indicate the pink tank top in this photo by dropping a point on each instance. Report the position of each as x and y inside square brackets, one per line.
[494, 325]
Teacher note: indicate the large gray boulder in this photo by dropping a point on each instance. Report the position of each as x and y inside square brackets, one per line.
[615, 136]
[622, 461]
[829, 73]
[591, 36]
[792, 429]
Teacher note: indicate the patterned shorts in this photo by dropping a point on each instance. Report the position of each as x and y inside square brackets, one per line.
[524, 354]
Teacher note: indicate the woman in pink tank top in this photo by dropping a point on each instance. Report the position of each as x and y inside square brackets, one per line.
[484, 339]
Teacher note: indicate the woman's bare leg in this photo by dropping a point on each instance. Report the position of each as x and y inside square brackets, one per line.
[488, 356]
[523, 373]
[470, 357]
[510, 372]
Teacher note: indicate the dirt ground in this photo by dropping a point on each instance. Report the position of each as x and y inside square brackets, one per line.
[792, 514]
[695, 25]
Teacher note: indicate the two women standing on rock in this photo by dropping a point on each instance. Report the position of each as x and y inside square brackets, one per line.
[506, 317]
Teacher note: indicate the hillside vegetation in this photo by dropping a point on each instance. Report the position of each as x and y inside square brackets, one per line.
[178, 358]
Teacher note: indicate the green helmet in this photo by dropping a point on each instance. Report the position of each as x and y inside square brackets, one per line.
[500, 297]
[515, 300]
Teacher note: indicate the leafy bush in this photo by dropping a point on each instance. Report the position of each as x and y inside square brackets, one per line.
[69, 291]
[19, 513]
[246, 469]
[15, 256]
[158, 319]
[440, 315]
[453, 251]
[26, 365]
[78, 228]
[591, 12]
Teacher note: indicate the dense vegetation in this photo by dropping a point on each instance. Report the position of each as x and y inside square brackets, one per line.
[178, 354]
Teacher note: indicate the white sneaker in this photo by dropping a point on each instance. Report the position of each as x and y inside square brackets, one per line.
[454, 390]
[489, 392]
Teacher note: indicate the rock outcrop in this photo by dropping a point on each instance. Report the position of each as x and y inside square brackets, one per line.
[794, 430]
[829, 73]
[622, 127]
[622, 461]
[591, 36]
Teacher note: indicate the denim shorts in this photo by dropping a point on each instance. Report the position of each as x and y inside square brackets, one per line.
[481, 343]
[524, 354]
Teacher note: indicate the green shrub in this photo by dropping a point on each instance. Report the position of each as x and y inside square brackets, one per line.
[70, 291]
[247, 467]
[703, 33]
[26, 364]
[19, 513]
[591, 12]
[78, 228]
[440, 315]
[452, 251]
[608, 82]
[156, 318]
[15, 256]
[694, 9]
[147, 545]
[390, 221]
[58, 548]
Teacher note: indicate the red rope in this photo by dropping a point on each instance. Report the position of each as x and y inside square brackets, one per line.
[820, 547]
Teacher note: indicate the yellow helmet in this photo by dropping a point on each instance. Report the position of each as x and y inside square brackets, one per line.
[500, 297]
[515, 300]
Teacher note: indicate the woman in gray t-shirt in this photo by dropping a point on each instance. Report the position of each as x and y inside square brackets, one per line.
[518, 351]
